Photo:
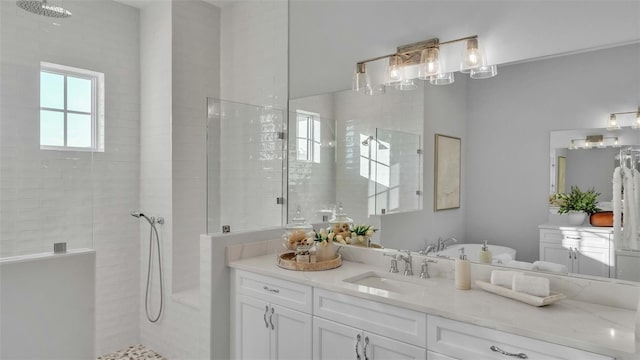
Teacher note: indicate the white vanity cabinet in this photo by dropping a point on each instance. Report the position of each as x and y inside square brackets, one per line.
[333, 341]
[271, 318]
[346, 326]
[449, 339]
[583, 250]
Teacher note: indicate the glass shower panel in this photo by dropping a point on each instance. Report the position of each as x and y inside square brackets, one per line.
[396, 172]
[245, 166]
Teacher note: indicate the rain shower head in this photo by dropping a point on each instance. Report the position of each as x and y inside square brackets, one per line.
[381, 146]
[43, 8]
[136, 214]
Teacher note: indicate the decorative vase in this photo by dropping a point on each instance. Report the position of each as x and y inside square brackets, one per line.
[327, 252]
[577, 218]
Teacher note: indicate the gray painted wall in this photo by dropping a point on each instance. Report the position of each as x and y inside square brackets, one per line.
[510, 117]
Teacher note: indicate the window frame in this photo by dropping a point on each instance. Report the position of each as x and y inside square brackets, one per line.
[97, 106]
[310, 138]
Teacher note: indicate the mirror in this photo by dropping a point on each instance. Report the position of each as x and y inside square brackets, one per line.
[363, 152]
[507, 125]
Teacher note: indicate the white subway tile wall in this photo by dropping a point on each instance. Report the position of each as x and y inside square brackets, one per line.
[77, 197]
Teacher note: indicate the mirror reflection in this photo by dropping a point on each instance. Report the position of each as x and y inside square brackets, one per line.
[515, 153]
[361, 152]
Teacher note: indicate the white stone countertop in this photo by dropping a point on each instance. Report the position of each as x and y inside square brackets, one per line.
[567, 227]
[601, 329]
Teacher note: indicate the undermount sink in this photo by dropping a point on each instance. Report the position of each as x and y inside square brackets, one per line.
[381, 284]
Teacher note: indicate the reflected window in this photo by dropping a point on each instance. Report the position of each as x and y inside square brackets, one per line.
[71, 103]
[375, 165]
[308, 136]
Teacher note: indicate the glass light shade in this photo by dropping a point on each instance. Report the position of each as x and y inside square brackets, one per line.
[394, 71]
[361, 81]
[429, 63]
[613, 124]
[572, 146]
[484, 72]
[471, 57]
[442, 79]
[636, 123]
[407, 85]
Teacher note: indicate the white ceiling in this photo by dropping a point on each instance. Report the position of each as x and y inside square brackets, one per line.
[329, 37]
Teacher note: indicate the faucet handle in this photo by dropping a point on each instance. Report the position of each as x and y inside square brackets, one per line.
[393, 256]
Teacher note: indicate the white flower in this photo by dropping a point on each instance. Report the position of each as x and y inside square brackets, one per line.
[323, 233]
[331, 236]
[369, 232]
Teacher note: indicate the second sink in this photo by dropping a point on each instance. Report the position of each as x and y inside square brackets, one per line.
[389, 283]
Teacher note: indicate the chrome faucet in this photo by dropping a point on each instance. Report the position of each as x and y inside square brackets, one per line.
[394, 262]
[408, 269]
[443, 244]
[424, 271]
[428, 248]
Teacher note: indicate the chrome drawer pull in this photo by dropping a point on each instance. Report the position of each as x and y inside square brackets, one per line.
[498, 350]
[271, 290]
[357, 346]
[266, 310]
[270, 319]
[366, 342]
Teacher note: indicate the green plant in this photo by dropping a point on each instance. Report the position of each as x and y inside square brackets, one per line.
[577, 200]
[363, 230]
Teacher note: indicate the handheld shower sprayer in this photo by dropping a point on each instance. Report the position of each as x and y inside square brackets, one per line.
[153, 231]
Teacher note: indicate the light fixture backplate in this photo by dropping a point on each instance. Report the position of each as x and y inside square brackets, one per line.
[410, 54]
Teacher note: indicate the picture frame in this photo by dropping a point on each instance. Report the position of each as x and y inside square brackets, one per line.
[447, 173]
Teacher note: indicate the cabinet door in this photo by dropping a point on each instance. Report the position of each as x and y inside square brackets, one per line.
[591, 261]
[291, 334]
[556, 253]
[333, 341]
[382, 348]
[251, 329]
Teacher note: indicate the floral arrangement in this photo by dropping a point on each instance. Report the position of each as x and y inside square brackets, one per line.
[556, 200]
[360, 232]
[323, 238]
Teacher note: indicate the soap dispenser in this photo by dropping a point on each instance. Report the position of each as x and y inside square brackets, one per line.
[485, 256]
[462, 274]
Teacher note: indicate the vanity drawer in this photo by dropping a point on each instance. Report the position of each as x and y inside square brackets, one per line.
[387, 320]
[465, 341]
[281, 292]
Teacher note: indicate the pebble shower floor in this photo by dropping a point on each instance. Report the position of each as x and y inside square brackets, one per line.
[136, 352]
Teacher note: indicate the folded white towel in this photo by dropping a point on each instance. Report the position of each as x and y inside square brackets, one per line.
[520, 265]
[501, 258]
[503, 278]
[532, 285]
[549, 266]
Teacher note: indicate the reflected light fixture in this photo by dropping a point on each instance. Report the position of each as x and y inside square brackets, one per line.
[442, 79]
[425, 56]
[471, 57]
[592, 141]
[614, 124]
[636, 123]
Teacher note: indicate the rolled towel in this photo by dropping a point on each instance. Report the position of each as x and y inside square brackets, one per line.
[532, 285]
[519, 265]
[502, 258]
[503, 278]
[549, 266]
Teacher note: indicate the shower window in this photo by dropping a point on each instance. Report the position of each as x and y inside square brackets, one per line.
[308, 136]
[71, 108]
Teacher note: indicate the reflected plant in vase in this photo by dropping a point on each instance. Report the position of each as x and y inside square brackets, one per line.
[578, 204]
[361, 235]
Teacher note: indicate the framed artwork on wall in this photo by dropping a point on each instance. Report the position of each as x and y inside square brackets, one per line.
[447, 172]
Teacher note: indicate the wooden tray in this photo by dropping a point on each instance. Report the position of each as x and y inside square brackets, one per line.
[288, 261]
[525, 298]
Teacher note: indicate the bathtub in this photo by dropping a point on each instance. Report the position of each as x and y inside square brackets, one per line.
[473, 251]
[47, 304]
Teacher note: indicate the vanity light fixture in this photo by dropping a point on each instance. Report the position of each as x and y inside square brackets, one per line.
[614, 124]
[592, 141]
[425, 56]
